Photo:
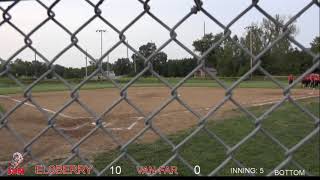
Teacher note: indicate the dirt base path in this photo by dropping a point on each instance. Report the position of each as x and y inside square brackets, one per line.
[123, 120]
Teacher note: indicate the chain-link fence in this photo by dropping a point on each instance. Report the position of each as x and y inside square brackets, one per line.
[148, 67]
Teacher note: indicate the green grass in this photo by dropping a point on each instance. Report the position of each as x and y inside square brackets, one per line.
[9, 87]
[1, 108]
[288, 124]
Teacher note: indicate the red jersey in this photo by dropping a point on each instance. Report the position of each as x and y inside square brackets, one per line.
[312, 77]
[308, 77]
[290, 77]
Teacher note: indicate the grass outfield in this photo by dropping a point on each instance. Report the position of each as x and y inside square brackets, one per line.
[288, 124]
[8, 87]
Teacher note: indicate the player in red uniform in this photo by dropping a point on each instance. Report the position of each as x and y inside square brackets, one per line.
[308, 80]
[312, 80]
[290, 78]
[317, 80]
[304, 82]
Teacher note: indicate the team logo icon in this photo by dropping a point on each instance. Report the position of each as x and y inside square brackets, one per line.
[17, 159]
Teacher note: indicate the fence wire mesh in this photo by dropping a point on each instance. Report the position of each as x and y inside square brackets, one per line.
[148, 67]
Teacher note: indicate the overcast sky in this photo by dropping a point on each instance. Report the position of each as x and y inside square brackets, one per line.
[51, 39]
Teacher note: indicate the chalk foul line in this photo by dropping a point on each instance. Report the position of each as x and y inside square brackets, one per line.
[48, 110]
[273, 101]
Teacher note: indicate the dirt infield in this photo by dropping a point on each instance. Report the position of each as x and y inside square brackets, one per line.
[123, 120]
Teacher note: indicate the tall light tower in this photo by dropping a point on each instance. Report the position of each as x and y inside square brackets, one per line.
[101, 31]
[86, 64]
[35, 61]
[133, 60]
[127, 51]
[250, 37]
[204, 28]
[204, 35]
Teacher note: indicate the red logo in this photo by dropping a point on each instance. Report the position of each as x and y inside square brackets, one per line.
[14, 168]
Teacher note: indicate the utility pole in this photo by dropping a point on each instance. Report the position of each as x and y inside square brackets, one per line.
[86, 64]
[102, 31]
[127, 51]
[108, 68]
[35, 63]
[251, 51]
[135, 64]
[204, 28]
[204, 34]
[250, 37]
[133, 60]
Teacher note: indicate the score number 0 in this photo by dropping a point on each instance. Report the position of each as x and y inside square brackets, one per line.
[196, 169]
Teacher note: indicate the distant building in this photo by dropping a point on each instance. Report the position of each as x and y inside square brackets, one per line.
[2, 61]
[201, 73]
[99, 76]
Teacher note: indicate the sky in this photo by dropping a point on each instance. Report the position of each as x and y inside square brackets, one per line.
[51, 39]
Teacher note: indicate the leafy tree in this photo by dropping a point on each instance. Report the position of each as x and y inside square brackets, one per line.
[315, 44]
[227, 58]
[230, 60]
[203, 44]
[38, 68]
[59, 69]
[1, 64]
[122, 66]
[157, 60]
[275, 59]
[299, 62]
[20, 68]
[180, 67]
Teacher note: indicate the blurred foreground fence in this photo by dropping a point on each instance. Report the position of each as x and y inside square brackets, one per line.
[148, 67]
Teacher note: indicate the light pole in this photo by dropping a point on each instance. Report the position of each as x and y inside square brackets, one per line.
[135, 63]
[86, 64]
[250, 37]
[127, 51]
[204, 35]
[204, 28]
[35, 61]
[102, 31]
[133, 59]
[135, 66]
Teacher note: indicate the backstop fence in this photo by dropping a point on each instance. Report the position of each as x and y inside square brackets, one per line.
[148, 67]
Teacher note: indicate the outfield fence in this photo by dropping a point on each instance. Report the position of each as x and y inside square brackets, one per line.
[148, 67]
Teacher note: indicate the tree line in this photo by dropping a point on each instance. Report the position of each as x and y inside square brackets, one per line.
[228, 59]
